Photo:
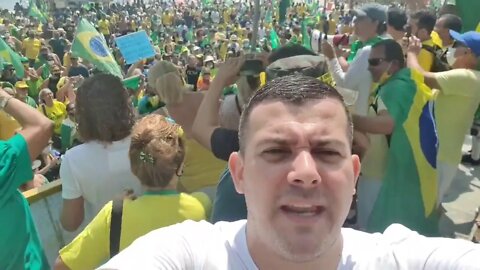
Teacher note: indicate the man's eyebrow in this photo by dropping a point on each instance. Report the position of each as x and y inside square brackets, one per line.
[278, 140]
[328, 142]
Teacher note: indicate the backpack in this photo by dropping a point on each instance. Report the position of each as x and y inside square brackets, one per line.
[439, 58]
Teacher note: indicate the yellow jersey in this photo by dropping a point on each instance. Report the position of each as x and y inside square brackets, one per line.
[57, 113]
[8, 126]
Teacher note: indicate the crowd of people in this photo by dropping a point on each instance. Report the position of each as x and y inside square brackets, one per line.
[312, 131]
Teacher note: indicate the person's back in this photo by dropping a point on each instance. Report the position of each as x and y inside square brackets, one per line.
[94, 172]
[156, 157]
[98, 172]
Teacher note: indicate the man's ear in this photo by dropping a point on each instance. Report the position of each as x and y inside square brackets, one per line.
[236, 165]
[357, 167]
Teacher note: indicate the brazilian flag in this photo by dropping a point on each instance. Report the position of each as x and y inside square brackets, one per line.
[10, 56]
[35, 12]
[91, 46]
[409, 187]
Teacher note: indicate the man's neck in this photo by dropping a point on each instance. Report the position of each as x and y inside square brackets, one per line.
[265, 258]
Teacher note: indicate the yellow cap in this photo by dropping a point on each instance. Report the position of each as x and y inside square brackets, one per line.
[21, 84]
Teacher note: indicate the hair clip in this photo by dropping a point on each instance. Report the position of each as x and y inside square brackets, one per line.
[146, 158]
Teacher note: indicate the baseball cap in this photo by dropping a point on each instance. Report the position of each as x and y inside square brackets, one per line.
[470, 39]
[375, 12]
[21, 85]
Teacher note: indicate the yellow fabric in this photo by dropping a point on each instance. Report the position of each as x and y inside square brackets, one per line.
[226, 16]
[374, 164]
[104, 27]
[66, 60]
[202, 168]
[31, 47]
[332, 27]
[436, 39]
[167, 19]
[8, 126]
[425, 58]
[478, 27]
[455, 107]
[91, 247]
[56, 113]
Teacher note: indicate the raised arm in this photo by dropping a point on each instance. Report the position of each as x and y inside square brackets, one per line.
[36, 128]
[207, 120]
[412, 62]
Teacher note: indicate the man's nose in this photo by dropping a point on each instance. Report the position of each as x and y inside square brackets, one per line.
[304, 171]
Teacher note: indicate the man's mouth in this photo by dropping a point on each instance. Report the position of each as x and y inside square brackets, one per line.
[306, 210]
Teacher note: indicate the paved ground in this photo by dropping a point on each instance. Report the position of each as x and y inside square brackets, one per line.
[461, 201]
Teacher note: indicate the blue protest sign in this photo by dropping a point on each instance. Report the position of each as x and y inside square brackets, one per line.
[135, 47]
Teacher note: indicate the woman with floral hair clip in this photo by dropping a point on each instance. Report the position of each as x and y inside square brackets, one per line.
[157, 154]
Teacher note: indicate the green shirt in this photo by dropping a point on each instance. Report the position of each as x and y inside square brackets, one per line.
[22, 249]
[30, 101]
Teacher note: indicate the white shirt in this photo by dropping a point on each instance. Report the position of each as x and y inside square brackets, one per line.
[215, 16]
[98, 173]
[201, 245]
[357, 78]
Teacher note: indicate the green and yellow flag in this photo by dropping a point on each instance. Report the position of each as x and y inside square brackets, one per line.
[409, 186]
[305, 36]
[91, 46]
[35, 12]
[10, 56]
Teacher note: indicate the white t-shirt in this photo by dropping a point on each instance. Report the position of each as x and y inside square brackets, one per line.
[201, 245]
[356, 78]
[98, 173]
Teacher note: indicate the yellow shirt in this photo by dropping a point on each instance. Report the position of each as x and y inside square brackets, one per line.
[425, 58]
[202, 168]
[455, 108]
[167, 19]
[436, 39]
[31, 47]
[226, 16]
[66, 60]
[56, 113]
[91, 247]
[8, 126]
[104, 27]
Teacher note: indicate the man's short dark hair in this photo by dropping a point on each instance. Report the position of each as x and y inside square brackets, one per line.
[393, 51]
[426, 20]
[396, 18]
[296, 90]
[452, 22]
[289, 51]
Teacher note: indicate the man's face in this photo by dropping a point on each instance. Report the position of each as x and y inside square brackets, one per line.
[362, 27]
[443, 32]
[22, 93]
[298, 176]
[377, 65]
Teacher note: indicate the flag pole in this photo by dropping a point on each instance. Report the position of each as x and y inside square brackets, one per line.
[256, 19]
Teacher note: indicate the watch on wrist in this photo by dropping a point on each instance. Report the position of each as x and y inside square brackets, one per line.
[4, 101]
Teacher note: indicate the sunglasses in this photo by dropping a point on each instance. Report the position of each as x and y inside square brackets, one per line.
[375, 61]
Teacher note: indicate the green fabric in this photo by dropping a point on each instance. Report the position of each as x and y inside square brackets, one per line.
[146, 107]
[400, 199]
[305, 36]
[30, 101]
[35, 12]
[161, 192]
[282, 10]
[357, 45]
[12, 57]
[34, 88]
[21, 244]
[468, 11]
[274, 39]
[132, 83]
[90, 45]
[230, 90]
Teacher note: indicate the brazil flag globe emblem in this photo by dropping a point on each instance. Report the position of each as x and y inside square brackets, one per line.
[97, 46]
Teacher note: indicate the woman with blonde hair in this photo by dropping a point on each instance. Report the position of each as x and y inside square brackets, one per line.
[157, 154]
[202, 169]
